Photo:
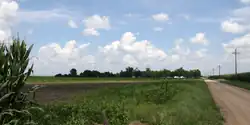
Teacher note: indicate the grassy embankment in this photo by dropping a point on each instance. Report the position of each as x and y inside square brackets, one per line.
[179, 102]
[51, 79]
[245, 85]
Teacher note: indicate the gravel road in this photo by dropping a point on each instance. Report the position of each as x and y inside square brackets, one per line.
[234, 102]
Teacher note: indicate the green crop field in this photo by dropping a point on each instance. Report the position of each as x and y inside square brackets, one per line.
[177, 102]
[51, 79]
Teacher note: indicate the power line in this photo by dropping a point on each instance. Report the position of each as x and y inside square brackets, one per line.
[235, 60]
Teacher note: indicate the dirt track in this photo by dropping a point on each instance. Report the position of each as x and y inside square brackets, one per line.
[234, 102]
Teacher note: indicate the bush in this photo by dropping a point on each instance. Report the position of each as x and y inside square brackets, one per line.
[15, 106]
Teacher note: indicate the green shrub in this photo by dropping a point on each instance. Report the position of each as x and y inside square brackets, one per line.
[15, 106]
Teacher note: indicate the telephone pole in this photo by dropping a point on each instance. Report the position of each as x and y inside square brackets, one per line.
[219, 69]
[235, 60]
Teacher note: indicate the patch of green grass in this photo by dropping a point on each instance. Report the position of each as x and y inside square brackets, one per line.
[245, 85]
[51, 79]
[178, 102]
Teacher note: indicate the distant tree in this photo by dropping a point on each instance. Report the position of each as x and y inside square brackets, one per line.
[180, 72]
[87, 73]
[137, 73]
[58, 75]
[197, 73]
[129, 71]
[148, 69]
[73, 72]
[191, 73]
[96, 73]
[81, 74]
[166, 73]
[148, 72]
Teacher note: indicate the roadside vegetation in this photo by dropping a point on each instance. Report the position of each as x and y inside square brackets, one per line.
[177, 102]
[244, 77]
[245, 85]
[241, 80]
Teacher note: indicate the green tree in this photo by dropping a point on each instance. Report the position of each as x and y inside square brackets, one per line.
[148, 72]
[129, 71]
[73, 72]
[197, 73]
[166, 73]
[179, 72]
[137, 73]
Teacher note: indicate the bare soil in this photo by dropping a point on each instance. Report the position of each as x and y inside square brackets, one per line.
[60, 92]
[234, 102]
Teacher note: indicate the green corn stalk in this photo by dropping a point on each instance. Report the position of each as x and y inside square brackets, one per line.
[15, 106]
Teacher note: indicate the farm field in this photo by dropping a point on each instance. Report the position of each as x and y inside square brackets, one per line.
[51, 79]
[176, 102]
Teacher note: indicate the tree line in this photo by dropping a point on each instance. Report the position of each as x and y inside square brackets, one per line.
[135, 72]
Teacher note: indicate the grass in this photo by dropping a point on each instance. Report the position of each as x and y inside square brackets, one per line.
[178, 102]
[51, 79]
[245, 85]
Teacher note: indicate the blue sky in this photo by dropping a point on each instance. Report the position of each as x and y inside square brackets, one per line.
[201, 26]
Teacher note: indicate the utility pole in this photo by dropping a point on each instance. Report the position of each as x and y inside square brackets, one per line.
[213, 71]
[219, 69]
[235, 60]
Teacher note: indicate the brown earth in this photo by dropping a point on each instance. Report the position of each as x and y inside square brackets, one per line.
[62, 92]
[234, 102]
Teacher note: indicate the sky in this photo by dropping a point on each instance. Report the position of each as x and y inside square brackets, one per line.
[113, 34]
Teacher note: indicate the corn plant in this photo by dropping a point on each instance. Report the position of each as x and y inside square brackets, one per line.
[15, 105]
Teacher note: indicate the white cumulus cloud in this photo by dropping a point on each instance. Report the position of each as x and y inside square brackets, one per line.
[200, 38]
[130, 51]
[238, 22]
[242, 42]
[72, 24]
[53, 58]
[232, 27]
[97, 22]
[8, 12]
[94, 23]
[182, 55]
[161, 17]
[201, 53]
[90, 32]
